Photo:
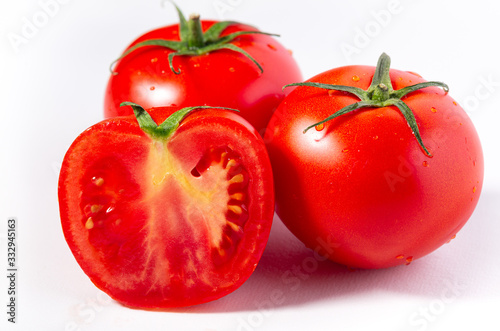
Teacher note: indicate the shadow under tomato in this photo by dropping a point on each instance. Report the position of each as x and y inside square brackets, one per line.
[287, 276]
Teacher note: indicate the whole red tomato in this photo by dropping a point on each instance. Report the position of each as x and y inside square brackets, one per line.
[167, 215]
[203, 62]
[393, 173]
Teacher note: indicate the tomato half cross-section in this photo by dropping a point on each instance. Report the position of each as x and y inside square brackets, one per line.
[167, 215]
[374, 167]
[203, 62]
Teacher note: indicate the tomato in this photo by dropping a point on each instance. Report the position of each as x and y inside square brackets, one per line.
[229, 64]
[170, 215]
[380, 183]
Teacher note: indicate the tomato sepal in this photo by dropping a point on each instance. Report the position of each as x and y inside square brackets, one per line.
[164, 130]
[379, 94]
[193, 41]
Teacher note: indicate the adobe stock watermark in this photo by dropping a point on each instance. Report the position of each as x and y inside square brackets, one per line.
[291, 280]
[485, 89]
[423, 318]
[225, 6]
[32, 25]
[85, 313]
[364, 36]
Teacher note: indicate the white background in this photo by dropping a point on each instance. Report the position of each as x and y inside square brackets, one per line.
[52, 87]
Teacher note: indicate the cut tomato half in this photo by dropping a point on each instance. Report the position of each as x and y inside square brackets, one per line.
[167, 222]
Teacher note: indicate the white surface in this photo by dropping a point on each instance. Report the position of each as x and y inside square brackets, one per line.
[52, 88]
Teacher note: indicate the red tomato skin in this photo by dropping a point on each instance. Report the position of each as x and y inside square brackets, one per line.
[120, 138]
[221, 78]
[362, 184]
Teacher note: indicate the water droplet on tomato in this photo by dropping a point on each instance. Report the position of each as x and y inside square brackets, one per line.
[409, 259]
[154, 60]
[425, 164]
[375, 138]
[455, 103]
[355, 78]
[345, 150]
[400, 257]
[474, 189]
[452, 237]
[272, 47]
[232, 69]
[152, 88]
[320, 127]
[433, 109]
[196, 65]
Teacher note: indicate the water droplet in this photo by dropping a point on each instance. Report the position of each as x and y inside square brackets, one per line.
[154, 60]
[400, 257]
[345, 150]
[320, 127]
[163, 71]
[409, 259]
[152, 88]
[232, 69]
[434, 110]
[452, 237]
[196, 65]
[375, 138]
[355, 78]
[272, 47]
[455, 103]
[474, 189]
[425, 164]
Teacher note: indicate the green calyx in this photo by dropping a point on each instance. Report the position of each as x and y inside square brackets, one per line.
[164, 130]
[379, 94]
[193, 41]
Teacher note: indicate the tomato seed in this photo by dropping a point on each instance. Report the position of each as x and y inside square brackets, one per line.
[89, 224]
[235, 209]
[98, 181]
[237, 179]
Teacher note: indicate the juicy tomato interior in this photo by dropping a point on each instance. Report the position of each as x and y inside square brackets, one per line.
[156, 230]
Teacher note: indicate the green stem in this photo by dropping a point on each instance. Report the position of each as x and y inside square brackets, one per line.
[195, 37]
[379, 94]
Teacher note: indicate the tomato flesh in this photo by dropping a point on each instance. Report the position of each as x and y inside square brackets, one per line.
[157, 227]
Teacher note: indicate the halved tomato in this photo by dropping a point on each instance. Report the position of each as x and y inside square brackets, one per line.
[170, 215]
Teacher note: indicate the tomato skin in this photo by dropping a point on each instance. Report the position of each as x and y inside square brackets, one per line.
[362, 183]
[134, 250]
[220, 78]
